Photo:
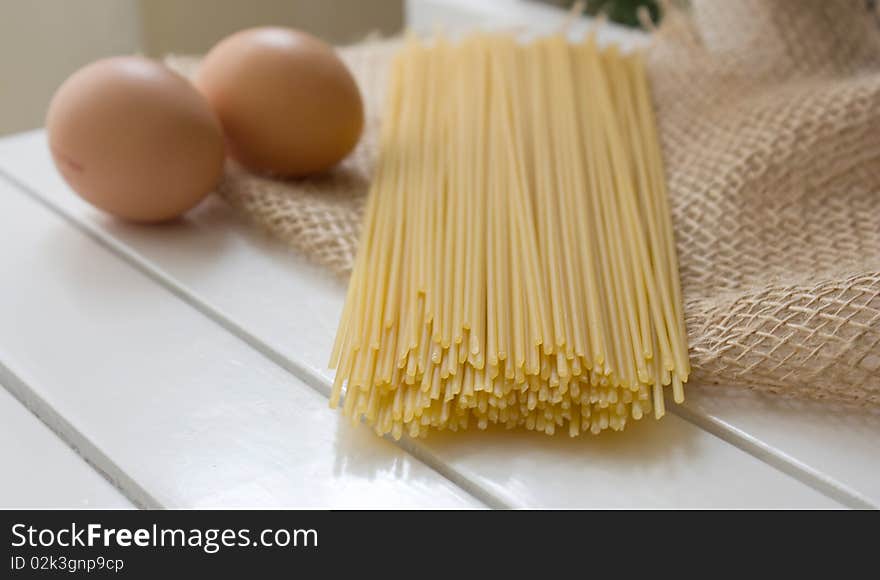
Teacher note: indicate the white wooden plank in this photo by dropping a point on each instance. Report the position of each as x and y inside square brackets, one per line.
[177, 410]
[41, 471]
[836, 444]
[290, 310]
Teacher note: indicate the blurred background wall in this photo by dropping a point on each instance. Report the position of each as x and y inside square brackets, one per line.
[43, 41]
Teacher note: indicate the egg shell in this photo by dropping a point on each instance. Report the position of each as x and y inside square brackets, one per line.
[287, 103]
[135, 139]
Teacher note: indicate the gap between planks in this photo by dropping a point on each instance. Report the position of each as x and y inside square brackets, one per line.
[775, 458]
[81, 445]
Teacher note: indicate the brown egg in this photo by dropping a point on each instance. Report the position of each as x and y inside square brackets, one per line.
[135, 139]
[288, 104]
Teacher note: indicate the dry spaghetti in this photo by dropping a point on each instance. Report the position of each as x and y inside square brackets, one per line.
[517, 262]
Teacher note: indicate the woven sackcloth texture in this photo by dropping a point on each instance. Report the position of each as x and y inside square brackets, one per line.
[769, 115]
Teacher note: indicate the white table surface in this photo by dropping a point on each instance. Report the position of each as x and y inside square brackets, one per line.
[187, 363]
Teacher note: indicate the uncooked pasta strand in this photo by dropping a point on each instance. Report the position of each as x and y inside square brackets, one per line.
[617, 296]
[614, 174]
[477, 60]
[489, 260]
[578, 160]
[626, 179]
[639, 250]
[543, 186]
[465, 143]
[516, 253]
[524, 179]
[595, 221]
[663, 215]
[557, 55]
[409, 119]
[498, 173]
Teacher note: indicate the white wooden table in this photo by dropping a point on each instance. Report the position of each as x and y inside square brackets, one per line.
[185, 366]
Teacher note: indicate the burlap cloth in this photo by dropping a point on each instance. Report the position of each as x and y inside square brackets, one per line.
[769, 115]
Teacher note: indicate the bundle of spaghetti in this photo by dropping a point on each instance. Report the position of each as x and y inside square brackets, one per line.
[517, 263]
